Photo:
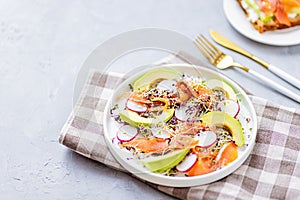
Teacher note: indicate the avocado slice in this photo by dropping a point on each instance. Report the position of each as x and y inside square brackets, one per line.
[164, 162]
[254, 6]
[216, 84]
[265, 18]
[148, 78]
[135, 120]
[222, 119]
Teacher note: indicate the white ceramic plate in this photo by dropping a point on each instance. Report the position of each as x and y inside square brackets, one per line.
[238, 20]
[125, 158]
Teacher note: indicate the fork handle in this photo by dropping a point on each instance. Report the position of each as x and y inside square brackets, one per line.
[276, 86]
[285, 76]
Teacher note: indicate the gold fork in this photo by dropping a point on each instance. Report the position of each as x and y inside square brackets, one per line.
[223, 61]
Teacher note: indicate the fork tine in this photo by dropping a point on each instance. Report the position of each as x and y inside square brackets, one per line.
[205, 48]
[210, 50]
[203, 51]
[211, 45]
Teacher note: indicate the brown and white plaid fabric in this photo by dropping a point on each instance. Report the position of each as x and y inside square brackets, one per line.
[272, 171]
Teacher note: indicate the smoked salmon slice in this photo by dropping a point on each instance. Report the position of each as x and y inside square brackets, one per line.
[290, 4]
[281, 14]
[147, 145]
[204, 165]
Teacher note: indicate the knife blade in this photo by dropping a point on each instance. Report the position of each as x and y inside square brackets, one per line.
[218, 38]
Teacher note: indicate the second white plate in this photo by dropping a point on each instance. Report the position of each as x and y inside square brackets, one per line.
[238, 20]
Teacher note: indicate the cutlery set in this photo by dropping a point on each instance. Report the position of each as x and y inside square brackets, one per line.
[224, 61]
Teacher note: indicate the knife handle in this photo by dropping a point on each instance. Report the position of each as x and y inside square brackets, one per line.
[276, 86]
[285, 76]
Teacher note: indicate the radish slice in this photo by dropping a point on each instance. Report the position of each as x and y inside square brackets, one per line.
[126, 133]
[169, 85]
[207, 139]
[229, 106]
[136, 107]
[184, 113]
[160, 133]
[187, 164]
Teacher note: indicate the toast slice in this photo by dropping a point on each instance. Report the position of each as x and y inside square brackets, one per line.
[262, 23]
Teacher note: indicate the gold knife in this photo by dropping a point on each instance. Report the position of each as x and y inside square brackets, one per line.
[218, 38]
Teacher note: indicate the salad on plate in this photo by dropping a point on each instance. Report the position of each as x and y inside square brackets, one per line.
[176, 124]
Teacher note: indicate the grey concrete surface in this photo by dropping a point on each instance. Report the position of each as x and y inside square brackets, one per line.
[42, 47]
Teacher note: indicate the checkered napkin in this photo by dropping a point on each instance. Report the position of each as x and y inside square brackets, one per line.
[272, 171]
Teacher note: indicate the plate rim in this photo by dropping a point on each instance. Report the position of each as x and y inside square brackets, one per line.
[185, 181]
[247, 30]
